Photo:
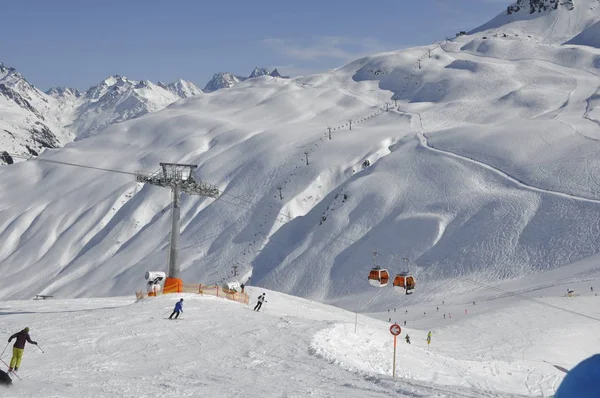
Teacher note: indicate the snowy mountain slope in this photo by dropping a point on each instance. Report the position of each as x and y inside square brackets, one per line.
[484, 168]
[117, 99]
[547, 21]
[315, 347]
[589, 37]
[27, 122]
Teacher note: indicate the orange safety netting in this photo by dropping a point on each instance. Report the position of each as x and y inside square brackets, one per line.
[210, 290]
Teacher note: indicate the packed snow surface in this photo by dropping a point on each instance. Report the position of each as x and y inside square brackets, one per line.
[501, 346]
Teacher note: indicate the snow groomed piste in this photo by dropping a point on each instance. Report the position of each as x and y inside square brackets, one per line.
[504, 346]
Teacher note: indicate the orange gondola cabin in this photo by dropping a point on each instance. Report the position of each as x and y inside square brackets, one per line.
[402, 281]
[379, 277]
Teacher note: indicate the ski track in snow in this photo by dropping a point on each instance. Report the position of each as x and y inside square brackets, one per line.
[292, 348]
[422, 137]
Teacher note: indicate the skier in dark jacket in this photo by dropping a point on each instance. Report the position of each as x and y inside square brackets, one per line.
[18, 348]
[259, 303]
[177, 310]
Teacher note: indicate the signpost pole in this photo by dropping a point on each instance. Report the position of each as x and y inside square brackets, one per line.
[395, 330]
[394, 366]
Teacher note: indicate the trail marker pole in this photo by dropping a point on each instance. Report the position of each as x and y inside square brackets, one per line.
[395, 330]
[355, 321]
[306, 153]
[329, 128]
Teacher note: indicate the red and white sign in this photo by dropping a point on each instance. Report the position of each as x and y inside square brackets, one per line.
[395, 329]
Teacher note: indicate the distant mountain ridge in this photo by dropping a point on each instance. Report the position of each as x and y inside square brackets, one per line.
[32, 120]
[227, 80]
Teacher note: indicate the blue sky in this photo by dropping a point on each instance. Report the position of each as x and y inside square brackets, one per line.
[78, 43]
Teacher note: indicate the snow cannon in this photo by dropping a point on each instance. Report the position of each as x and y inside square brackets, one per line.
[232, 286]
[153, 275]
[154, 278]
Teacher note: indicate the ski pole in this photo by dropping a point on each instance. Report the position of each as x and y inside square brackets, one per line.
[13, 372]
[40, 349]
[4, 349]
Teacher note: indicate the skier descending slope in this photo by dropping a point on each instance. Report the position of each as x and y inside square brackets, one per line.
[177, 310]
[19, 347]
[261, 300]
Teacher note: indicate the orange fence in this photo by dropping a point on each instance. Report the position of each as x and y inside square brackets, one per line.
[209, 290]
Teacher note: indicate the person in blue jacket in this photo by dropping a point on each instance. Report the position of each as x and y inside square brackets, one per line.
[583, 381]
[177, 310]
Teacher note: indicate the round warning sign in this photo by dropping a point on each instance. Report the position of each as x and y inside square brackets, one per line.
[395, 329]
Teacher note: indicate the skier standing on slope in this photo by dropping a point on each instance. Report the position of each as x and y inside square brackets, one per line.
[259, 303]
[18, 348]
[177, 310]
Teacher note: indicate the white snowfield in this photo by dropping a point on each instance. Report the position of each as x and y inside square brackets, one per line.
[115, 347]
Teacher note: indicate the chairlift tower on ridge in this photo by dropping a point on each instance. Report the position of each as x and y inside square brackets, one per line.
[180, 179]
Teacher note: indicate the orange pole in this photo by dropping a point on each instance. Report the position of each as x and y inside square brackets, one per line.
[217, 290]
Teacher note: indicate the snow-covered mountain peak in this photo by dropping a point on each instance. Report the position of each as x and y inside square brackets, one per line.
[97, 91]
[546, 21]
[259, 72]
[222, 80]
[63, 93]
[275, 73]
[13, 79]
[5, 70]
[181, 88]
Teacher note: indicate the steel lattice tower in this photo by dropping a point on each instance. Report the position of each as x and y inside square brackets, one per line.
[180, 178]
